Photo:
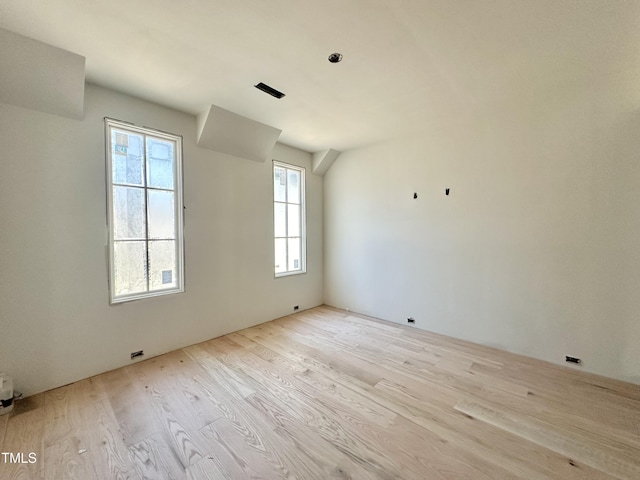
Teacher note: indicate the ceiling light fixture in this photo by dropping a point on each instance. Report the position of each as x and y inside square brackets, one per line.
[335, 57]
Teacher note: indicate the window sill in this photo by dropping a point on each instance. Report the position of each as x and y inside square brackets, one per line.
[289, 274]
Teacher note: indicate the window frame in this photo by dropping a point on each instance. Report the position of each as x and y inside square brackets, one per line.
[303, 218]
[145, 132]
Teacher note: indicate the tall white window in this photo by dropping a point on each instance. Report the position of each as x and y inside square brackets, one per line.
[289, 219]
[144, 198]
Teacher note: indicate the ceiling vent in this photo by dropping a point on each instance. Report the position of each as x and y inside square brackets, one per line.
[267, 89]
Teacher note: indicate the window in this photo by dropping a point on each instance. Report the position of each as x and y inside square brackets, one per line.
[144, 198]
[289, 219]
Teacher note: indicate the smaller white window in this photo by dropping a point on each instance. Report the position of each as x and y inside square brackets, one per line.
[289, 219]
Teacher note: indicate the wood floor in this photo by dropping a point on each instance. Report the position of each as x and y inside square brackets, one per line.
[324, 394]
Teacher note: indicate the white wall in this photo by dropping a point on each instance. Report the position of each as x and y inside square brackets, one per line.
[56, 325]
[535, 251]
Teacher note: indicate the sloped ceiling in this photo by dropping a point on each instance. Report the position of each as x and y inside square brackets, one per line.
[407, 63]
[228, 132]
[38, 76]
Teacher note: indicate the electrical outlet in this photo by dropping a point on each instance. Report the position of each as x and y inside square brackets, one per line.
[137, 354]
[411, 320]
[295, 307]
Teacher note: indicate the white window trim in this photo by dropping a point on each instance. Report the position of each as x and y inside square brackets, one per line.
[303, 219]
[179, 207]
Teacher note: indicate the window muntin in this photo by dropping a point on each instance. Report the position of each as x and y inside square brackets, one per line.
[144, 198]
[289, 219]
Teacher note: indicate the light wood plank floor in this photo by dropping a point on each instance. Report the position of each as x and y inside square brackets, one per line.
[324, 394]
